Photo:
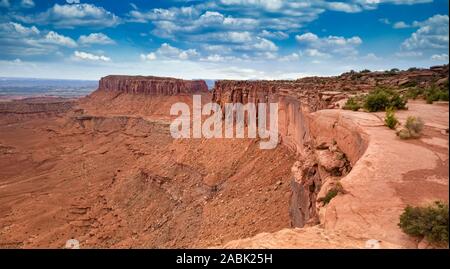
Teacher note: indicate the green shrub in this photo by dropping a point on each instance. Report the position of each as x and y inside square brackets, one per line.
[390, 120]
[333, 192]
[413, 93]
[330, 195]
[380, 99]
[352, 104]
[433, 94]
[430, 222]
[412, 129]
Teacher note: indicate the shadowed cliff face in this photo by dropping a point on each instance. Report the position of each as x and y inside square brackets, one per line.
[152, 85]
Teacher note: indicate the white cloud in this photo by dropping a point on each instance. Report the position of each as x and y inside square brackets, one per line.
[315, 53]
[74, 15]
[440, 57]
[95, 38]
[261, 44]
[308, 37]
[409, 54]
[166, 51]
[85, 56]
[55, 38]
[327, 46]
[72, 1]
[344, 7]
[291, 57]
[27, 3]
[214, 58]
[401, 25]
[148, 57]
[273, 35]
[267, 4]
[432, 34]
[17, 39]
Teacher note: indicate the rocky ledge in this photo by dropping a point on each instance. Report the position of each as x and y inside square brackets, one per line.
[151, 85]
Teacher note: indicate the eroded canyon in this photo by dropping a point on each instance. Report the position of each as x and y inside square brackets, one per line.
[105, 170]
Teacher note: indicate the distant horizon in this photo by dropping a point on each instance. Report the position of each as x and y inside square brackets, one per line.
[219, 39]
[208, 79]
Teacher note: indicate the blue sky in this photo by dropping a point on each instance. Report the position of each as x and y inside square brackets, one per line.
[222, 39]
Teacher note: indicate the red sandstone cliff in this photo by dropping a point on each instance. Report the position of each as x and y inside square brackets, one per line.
[151, 85]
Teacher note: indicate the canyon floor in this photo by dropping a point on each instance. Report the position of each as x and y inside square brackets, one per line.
[109, 174]
[117, 180]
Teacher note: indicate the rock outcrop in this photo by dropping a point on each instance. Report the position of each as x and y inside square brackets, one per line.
[151, 85]
[328, 147]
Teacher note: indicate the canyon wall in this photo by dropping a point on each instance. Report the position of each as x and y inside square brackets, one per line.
[326, 149]
[151, 85]
[328, 146]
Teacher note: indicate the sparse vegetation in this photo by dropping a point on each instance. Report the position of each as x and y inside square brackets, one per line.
[390, 120]
[430, 222]
[352, 104]
[380, 99]
[365, 71]
[433, 94]
[430, 94]
[414, 93]
[333, 192]
[412, 129]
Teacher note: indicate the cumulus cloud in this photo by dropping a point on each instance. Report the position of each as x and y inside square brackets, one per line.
[401, 25]
[74, 15]
[291, 57]
[273, 35]
[17, 39]
[168, 52]
[148, 57]
[55, 38]
[95, 38]
[432, 34]
[85, 56]
[316, 46]
[440, 57]
[72, 1]
[344, 7]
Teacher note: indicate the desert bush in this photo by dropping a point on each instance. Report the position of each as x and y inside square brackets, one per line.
[333, 192]
[430, 94]
[430, 222]
[433, 94]
[390, 120]
[380, 99]
[352, 104]
[412, 129]
[414, 93]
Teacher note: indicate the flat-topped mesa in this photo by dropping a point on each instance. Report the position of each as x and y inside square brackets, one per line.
[151, 85]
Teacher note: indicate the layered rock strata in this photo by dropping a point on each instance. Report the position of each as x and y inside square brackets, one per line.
[150, 85]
